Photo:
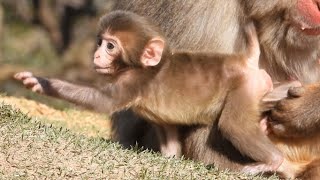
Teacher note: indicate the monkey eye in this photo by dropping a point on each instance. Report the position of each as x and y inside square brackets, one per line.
[110, 46]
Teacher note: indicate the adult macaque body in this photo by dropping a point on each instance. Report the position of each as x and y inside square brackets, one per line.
[174, 87]
[289, 36]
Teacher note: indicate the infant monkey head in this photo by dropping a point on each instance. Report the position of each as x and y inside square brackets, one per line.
[125, 41]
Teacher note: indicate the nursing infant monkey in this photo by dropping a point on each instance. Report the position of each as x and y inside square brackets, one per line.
[170, 87]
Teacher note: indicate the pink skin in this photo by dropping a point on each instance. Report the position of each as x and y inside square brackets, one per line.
[310, 12]
[260, 81]
[264, 125]
[103, 57]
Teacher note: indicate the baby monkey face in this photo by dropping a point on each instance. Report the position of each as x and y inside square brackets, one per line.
[108, 51]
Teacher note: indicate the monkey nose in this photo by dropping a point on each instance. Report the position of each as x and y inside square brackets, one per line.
[96, 56]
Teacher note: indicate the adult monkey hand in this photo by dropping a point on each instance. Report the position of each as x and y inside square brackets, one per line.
[295, 116]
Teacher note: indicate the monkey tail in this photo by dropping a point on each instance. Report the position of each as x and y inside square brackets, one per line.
[253, 47]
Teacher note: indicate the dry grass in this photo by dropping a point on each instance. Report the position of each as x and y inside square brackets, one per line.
[83, 122]
[31, 149]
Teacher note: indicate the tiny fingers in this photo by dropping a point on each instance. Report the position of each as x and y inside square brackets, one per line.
[37, 88]
[22, 75]
[30, 82]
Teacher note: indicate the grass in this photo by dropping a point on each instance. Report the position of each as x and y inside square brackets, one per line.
[32, 149]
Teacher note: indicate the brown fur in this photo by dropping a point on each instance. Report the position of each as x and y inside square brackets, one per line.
[160, 93]
[286, 120]
[287, 54]
[183, 88]
[297, 137]
[301, 154]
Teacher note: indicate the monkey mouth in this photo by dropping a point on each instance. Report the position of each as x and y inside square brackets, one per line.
[105, 70]
[307, 28]
[312, 32]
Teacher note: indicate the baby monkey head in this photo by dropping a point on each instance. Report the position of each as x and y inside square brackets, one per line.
[127, 41]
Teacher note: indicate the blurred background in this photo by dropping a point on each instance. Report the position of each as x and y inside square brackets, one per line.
[51, 38]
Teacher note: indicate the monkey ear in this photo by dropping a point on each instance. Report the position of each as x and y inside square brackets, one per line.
[152, 53]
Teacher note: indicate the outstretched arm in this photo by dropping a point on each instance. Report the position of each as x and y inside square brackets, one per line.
[88, 97]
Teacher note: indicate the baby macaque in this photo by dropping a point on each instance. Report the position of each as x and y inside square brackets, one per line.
[170, 88]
